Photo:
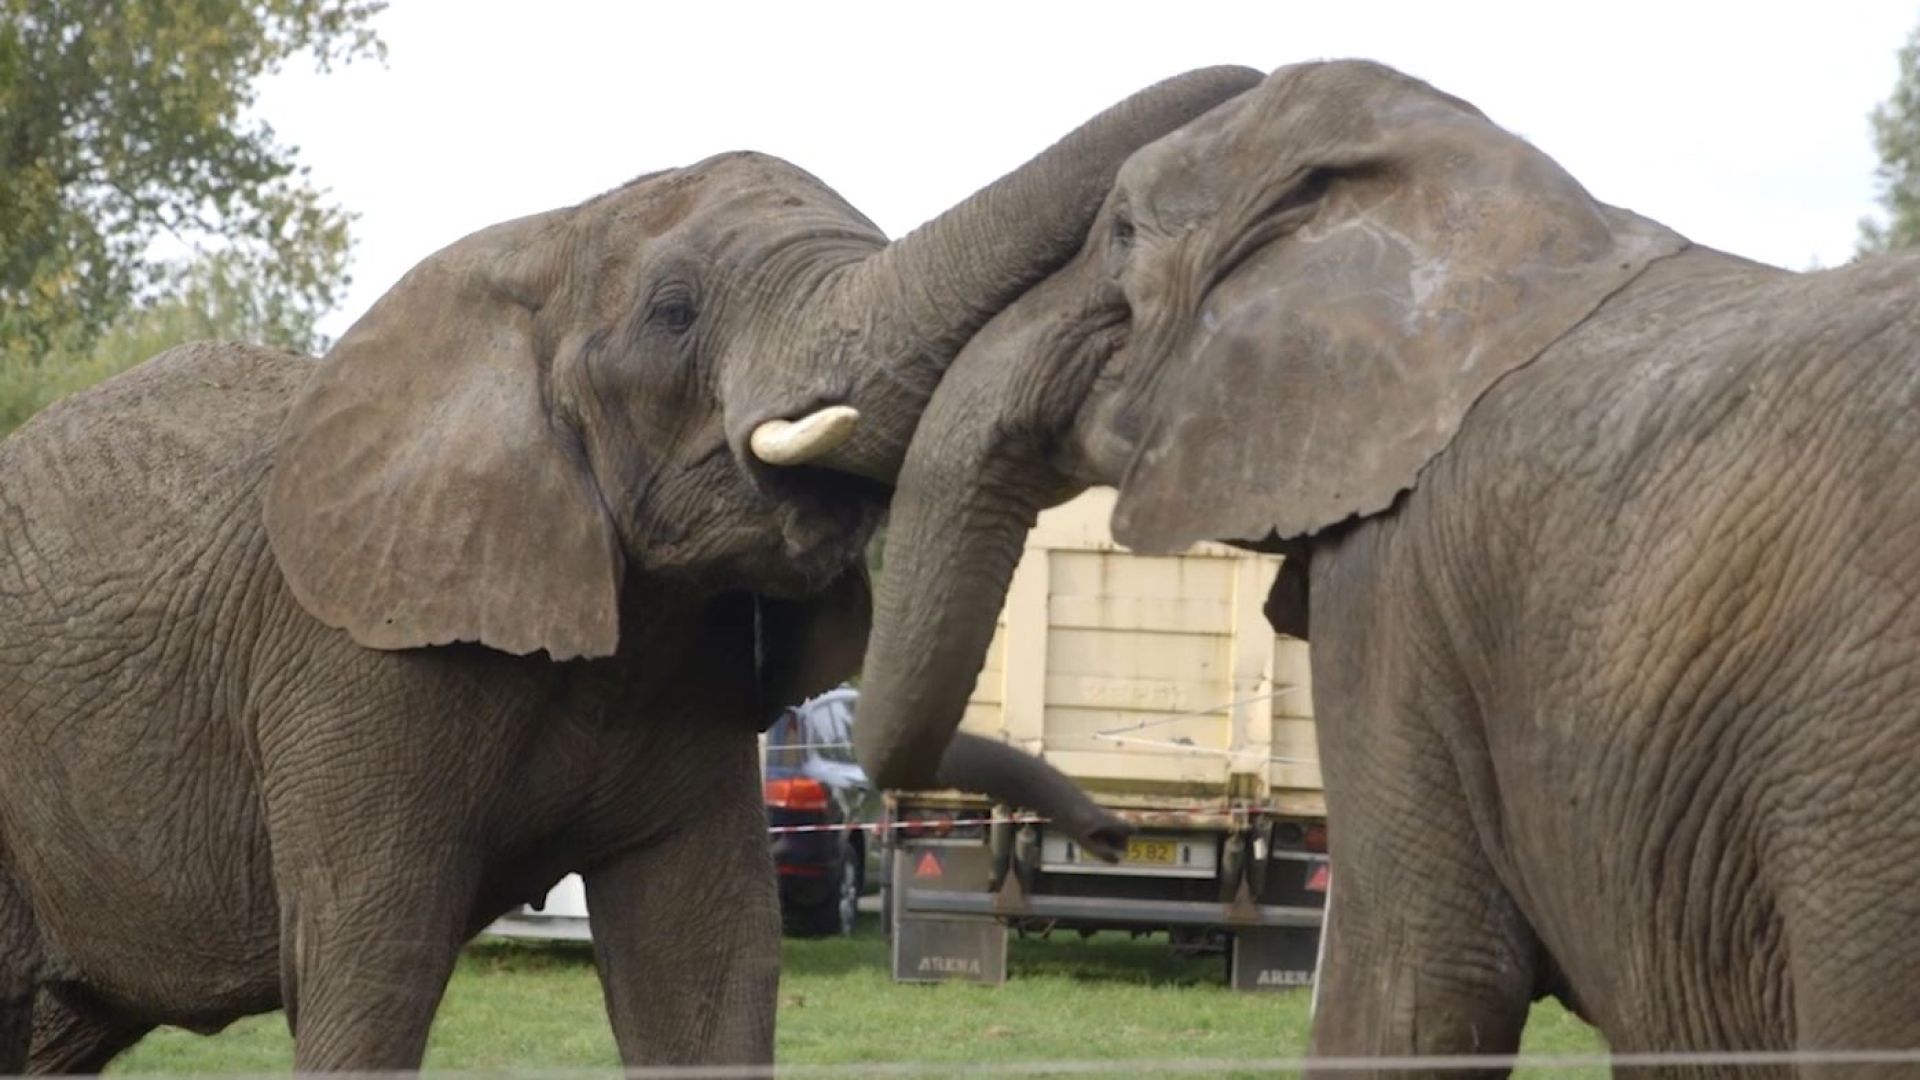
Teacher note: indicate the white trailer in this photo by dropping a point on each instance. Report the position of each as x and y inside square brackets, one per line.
[1158, 685]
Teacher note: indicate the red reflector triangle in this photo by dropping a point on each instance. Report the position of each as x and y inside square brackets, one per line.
[1318, 882]
[928, 866]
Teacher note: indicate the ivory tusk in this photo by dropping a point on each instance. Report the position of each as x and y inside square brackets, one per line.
[797, 442]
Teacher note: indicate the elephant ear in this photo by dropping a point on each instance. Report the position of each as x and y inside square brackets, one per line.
[1337, 359]
[812, 645]
[422, 492]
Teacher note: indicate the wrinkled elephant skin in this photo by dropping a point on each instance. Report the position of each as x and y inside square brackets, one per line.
[311, 668]
[1605, 541]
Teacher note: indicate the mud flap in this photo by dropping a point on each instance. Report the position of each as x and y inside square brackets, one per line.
[1274, 958]
[950, 949]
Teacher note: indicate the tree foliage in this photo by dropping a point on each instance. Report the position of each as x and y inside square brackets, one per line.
[1896, 135]
[214, 298]
[133, 180]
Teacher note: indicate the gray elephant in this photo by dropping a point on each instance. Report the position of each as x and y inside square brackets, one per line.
[309, 670]
[1605, 542]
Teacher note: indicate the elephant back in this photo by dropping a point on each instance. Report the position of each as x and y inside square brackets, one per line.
[108, 494]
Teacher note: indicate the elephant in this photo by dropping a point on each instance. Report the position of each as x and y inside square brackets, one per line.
[1600, 537]
[310, 668]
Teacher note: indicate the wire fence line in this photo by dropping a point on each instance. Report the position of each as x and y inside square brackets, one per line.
[877, 827]
[1158, 744]
[1772, 1060]
[1188, 714]
[1123, 734]
[1203, 751]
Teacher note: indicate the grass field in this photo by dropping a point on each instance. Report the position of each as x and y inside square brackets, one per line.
[1110, 998]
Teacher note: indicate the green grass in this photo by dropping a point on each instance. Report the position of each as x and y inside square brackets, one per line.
[1108, 998]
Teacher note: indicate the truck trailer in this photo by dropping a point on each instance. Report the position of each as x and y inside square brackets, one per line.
[1157, 684]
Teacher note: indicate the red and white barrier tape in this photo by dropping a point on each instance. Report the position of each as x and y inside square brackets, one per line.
[877, 827]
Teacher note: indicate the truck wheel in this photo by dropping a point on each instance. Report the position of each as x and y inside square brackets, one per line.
[838, 912]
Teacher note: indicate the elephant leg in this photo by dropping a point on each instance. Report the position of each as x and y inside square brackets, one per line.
[686, 932]
[367, 948]
[376, 802]
[1428, 952]
[76, 1039]
[366, 952]
[1447, 972]
[375, 899]
[19, 970]
[1852, 959]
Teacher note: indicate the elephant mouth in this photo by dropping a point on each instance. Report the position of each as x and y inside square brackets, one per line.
[785, 533]
[826, 518]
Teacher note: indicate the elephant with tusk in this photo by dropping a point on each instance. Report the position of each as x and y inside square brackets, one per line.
[806, 440]
[309, 669]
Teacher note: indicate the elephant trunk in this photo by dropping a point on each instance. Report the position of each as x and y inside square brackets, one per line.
[1017, 778]
[934, 288]
[967, 498]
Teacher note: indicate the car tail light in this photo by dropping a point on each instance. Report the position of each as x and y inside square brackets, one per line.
[796, 794]
[1316, 840]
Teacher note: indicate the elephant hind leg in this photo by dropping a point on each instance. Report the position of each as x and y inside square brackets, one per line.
[72, 1036]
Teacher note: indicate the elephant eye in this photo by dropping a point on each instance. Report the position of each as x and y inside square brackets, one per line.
[674, 313]
[1122, 232]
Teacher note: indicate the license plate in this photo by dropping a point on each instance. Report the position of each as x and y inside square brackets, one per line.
[1152, 852]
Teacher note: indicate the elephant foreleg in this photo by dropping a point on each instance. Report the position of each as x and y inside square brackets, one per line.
[363, 971]
[1421, 980]
[686, 933]
[1427, 954]
[1428, 951]
[366, 953]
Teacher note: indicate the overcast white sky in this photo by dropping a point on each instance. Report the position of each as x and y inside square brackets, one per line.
[1741, 124]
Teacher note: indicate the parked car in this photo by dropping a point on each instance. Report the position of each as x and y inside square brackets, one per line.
[818, 800]
[813, 785]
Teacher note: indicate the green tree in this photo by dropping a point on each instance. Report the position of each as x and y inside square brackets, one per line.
[214, 298]
[1896, 135]
[124, 132]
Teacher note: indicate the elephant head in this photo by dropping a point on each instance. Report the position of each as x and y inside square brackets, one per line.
[695, 380]
[1282, 312]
